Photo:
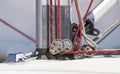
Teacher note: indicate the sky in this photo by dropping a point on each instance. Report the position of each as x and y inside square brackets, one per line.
[21, 14]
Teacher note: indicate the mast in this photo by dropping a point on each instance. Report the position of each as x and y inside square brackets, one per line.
[39, 23]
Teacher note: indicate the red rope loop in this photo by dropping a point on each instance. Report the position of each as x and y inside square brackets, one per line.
[79, 30]
[80, 24]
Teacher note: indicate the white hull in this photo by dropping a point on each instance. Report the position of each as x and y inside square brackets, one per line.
[83, 66]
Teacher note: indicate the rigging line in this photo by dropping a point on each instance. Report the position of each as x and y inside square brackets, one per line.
[59, 21]
[86, 14]
[84, 18]
[80, 24]
[51, 21]
[17, 30]
[95, 52]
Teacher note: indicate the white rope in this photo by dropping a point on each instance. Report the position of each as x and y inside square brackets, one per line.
[87, 39]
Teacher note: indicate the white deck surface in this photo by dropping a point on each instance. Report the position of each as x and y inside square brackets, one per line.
[83, 66]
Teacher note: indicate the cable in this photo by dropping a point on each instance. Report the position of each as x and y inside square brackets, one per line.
[80, 24]
[96, 52]
[51, 21]
[59, 21]
[17, 30]
[87, 39]
[86, 14]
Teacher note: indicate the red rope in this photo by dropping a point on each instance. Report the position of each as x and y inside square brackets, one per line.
[102, 52]
[80, 24]
[86, 14]
[59, 22]
[80, 21]
[20, 32]
[51, 21]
